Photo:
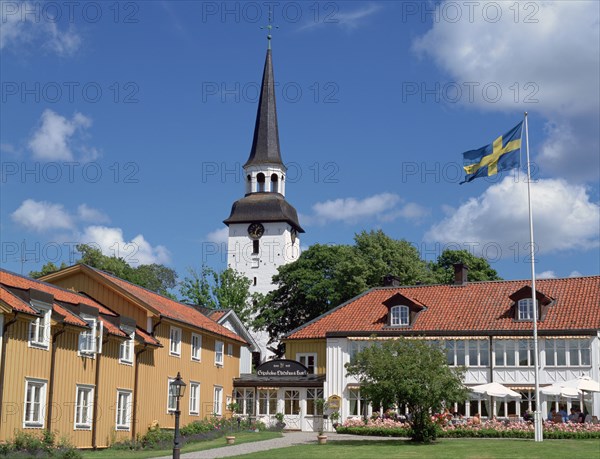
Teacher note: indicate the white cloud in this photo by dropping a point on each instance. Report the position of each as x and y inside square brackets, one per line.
[564, 219]
[547, 61]
[42, 216]
[218, 236]
[347, 19]
[383, 207]
[575, 274]
[91, 215]
[53, 140]
[135, 252]
[27, 23]
[546, 275]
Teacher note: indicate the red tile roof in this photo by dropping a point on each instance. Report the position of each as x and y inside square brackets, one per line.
[68, 316]
[147, 337]
[15, 302]
[218, 314]
[169, 308]
[474, 307]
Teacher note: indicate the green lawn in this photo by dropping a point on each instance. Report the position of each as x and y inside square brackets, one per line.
[240, 437]
[445, 448]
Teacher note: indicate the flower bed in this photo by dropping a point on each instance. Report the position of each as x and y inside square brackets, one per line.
[487, 429]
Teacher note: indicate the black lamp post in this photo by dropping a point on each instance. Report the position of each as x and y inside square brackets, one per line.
[177, 390]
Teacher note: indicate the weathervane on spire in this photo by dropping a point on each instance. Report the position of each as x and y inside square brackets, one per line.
[269, 27]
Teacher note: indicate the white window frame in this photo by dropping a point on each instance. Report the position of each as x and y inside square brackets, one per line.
[229, 350]
[93, 335]
[196, 347]
[39, 421]
[123, 411]
[312, 396]
[194, 398]
[171, 407]
[505, 350]
[81, 423]
[219, 358]
[175, 341]
[269, 396]
[218, 400]
[354, 394]
[398, 318]
[303, 357]
[355, 347]
[525, 309]
[126, 347]
[581, 346]
[244, 397]
[39, 328]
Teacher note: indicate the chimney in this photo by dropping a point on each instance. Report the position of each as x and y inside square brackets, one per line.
[391, 281]
[460, 274]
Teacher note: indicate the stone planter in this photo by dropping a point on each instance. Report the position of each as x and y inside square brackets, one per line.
[322, 439]
[230, 440]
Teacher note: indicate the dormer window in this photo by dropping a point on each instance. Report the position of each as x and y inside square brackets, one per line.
[399, 316]
[525, 309]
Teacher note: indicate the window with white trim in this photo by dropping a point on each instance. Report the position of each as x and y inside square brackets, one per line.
[230, 350]
[245, 399]
[171, 399]
[35, 403]
[525, 353]
[194, 398]
[84, 407]
[126, 347]
[505, 350]
[399, 316]
[309, 360]
[267, 401]
[219, 348]
[525, 307]
[313, 408]
[357, 402]
[123, 415]
[291, 402]
[567, 352]
[478, 354]
[196, 347]
[175, 341]
[39, 328]
[90, 340]
[355, 347]
[218, 401]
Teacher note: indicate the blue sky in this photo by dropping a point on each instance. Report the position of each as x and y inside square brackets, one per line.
[126, 125]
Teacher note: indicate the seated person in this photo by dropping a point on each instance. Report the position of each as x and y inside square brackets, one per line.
[551, 415]
[574, 416]
[476, 419]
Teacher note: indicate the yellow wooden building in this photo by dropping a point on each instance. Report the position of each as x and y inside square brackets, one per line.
[91, 357]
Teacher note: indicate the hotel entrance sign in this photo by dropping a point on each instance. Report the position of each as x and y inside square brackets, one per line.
[282, 368]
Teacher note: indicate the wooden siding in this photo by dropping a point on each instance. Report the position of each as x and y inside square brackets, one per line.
[317, 346]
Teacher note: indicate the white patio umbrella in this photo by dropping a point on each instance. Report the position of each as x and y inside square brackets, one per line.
[583, 383]
[495, 389]
[561, 391]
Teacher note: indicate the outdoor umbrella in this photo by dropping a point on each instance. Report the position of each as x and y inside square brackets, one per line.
[584, 383]
[559, 390]
[492, 390]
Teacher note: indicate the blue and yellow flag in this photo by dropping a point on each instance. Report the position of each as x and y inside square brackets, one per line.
[502, 154]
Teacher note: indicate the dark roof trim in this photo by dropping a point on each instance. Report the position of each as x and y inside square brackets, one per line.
[457, 333]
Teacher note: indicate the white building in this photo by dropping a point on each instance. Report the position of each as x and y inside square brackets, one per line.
[263, 226]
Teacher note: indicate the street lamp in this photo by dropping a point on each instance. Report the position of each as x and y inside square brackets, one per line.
[177, 390]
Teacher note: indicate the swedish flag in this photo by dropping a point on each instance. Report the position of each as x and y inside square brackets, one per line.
[502, 154]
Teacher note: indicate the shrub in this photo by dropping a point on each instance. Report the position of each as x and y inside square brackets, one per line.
[29, 445]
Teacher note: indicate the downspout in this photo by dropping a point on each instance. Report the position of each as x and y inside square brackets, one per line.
[135, 390]
[96, 392]
[3, 360]
[52, 371]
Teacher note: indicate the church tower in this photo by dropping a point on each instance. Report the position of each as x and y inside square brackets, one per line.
[263, 226]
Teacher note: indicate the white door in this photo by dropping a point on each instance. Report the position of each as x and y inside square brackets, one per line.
[292, 415]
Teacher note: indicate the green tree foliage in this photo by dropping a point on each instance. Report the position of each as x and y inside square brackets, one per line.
[212, 289]
[411, 372]
[155, 277]
[479, 268]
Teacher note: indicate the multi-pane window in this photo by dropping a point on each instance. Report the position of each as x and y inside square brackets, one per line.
[471, 353]
[291, 401]
[355, 347]
[123, 420]
[84, 403]
[39, 328]
[505, 350]
[313, 396]
[196, 347]
[309, 361]
[126, 347]
[87, 338]
[219, 352]
[218, 401]
[267, 401]
[35, 403]
[479, 353]
[563, 352]
[399, 315]
[175, 341]
[525, 309]
[526, 354]
[171, 398]
[245, 399]
[357, 402]
[194, 398]
[230, 350]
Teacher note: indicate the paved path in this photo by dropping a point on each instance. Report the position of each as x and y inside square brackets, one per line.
[288, 439]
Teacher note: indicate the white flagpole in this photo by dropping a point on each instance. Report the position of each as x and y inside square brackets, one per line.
[537, 415]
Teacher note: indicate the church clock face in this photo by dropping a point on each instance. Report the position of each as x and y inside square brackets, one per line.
[256, 230]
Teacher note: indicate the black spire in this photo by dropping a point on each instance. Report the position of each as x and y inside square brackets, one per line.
[265, 145]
